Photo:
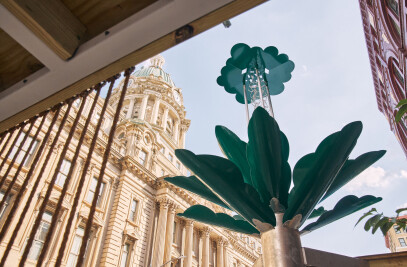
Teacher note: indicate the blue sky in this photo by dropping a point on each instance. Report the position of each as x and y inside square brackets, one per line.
[331, 86]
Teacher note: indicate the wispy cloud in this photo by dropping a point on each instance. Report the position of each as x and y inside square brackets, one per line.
[374, 177]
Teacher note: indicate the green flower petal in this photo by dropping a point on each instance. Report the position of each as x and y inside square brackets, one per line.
[195, 186]
[353, 168]
[203, 214]
[344, 207]
[314, 173]
[243, 63]
[225, 180]
[267, 153]
[235, 150]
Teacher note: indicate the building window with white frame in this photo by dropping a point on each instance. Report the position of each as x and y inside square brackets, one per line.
[142, 157]
[6, 203]
[77, 103]
[402, 242]
[133, 210]
[170, 157]
[76, 246]
[162, 172]
[39, 238]
[92, 190]
[63, 172]
[24, 149]
[125, 255]
[178, 165]
[96, 117]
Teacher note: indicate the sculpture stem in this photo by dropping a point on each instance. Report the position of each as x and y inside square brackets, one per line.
[281, 246]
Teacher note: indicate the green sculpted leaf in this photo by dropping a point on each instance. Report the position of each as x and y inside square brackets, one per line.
[314, 173]
[316, 213]
[267, 156]
[195, 186]
[203, 214]
[235, 149]
[248, 64]
[225, 180]
[353, 168]
[344, 207]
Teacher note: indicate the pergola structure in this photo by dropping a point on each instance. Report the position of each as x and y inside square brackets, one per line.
[52, 50]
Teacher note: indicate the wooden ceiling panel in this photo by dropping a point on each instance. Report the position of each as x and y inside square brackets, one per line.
[99, 15]
[16, 63]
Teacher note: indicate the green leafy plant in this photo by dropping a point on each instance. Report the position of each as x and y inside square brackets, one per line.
[255, 179]
[384, 223]
[402, 106]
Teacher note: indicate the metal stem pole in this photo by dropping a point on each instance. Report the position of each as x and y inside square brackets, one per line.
[246, 103]
[260, 90]
[281, 246]
[269, 98]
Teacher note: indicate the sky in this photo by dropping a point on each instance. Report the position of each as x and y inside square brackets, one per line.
[331, 86]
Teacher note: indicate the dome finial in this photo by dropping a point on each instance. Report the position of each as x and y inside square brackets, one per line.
[157, 61]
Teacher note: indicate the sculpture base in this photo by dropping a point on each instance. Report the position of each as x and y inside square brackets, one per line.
[282, 247]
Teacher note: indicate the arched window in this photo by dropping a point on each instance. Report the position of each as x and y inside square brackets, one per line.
[397, 80]
[391, 10]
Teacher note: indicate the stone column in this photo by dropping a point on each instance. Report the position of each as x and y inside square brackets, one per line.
[219, 253]
[169, 233]
[158, 253]
[165, 118]
[189, 239]
[176, 131]
[205, 252]
[143, 107]
[130, 109]
[155, 111]
[182, 141]
[226, 254]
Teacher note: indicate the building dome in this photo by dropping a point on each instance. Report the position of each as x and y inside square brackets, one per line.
[155, 70]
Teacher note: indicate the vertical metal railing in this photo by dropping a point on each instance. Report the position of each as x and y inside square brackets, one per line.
[26, 154]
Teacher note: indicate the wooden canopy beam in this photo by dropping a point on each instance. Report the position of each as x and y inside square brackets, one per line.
[51, 21]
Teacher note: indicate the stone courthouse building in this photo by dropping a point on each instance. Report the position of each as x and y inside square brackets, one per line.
[135, 223]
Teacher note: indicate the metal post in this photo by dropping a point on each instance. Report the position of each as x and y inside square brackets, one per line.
[281, 246]
[246, 103]
[260, 90]
[269, 99]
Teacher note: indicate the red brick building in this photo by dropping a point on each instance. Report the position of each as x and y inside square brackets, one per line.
[384, 23]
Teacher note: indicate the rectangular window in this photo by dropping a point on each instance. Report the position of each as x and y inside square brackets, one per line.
[396, 229]
[142, 157]
[24, 149]
[178, 165]
[76, 246]
[402, 242]
[96, 117]
[39, 238]
[162, 172]
[133, 210]
[92, 190]
[162, 150]
[63, 172]
[125, 255]
[77, 103]
[6, 203]
[170, 157]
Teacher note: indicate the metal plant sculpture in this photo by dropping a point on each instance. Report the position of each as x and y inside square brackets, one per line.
[254, 180]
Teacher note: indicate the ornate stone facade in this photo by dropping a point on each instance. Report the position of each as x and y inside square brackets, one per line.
[384, 24]
[135, 222]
